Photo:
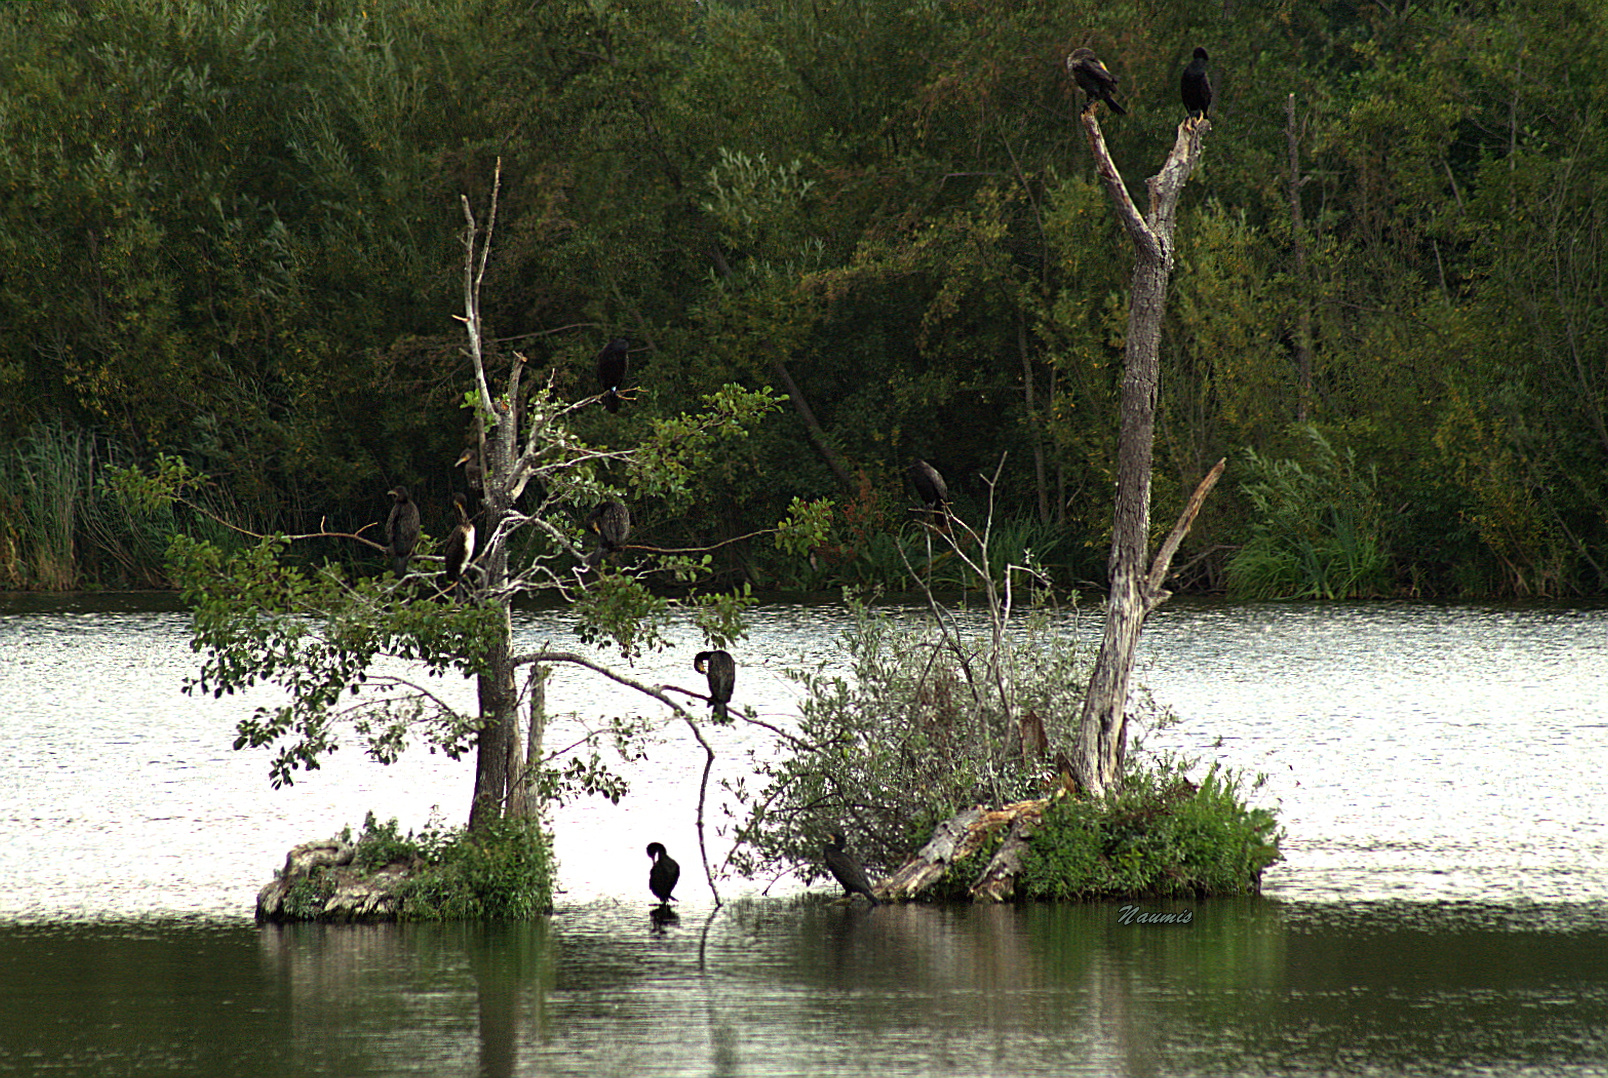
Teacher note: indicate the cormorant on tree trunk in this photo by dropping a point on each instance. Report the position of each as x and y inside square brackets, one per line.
[1196, 86]
[460, 548]
[1094, 79]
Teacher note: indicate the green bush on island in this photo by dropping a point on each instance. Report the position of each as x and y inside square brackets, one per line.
[1161, 835]
[502, 873]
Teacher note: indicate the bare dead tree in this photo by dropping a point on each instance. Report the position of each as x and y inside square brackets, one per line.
[1135, 589]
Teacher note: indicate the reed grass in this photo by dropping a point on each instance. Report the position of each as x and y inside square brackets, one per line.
[62, 528]
[1318, 532]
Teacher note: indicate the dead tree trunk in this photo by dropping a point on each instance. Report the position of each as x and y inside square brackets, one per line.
[1102, 732]
[499, 753]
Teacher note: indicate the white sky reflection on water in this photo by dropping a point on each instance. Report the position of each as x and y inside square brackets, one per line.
[1415, 752]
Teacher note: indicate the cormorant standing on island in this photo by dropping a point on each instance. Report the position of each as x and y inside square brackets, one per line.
[846, 869]
[663, 875]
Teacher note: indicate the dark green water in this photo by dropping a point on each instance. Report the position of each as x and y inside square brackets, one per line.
[808, 988]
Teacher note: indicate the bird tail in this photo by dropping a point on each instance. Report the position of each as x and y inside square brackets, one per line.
[1116, 108]
[399, 563]
[719, 709]
[611, 401]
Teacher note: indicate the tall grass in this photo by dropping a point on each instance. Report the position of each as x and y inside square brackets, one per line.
[62, 529]
[48, 476]
[1319, 532]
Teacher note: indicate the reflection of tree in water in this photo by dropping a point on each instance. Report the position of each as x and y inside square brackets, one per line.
[361, 995]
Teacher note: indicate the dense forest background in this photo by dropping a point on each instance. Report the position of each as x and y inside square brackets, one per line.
[231, 231]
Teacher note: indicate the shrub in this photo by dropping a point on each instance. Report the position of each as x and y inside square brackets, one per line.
[503, 873]
[927, 722]
[1161, 835]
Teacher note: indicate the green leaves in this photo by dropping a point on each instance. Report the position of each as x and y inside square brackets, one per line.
[324, 641]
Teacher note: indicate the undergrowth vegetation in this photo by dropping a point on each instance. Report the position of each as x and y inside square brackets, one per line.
[504, 872]
[1161, 835]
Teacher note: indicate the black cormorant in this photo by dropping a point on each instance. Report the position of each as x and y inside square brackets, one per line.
[612, 523]
[846, 869]
[401, 530]
[473, 474]
[611, 366]
[1094, 79]
[721, 670]
[460, 548]
[663, 875]
[930, 488]
[1196, 86]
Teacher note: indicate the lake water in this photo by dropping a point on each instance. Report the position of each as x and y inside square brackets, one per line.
[1441, 773]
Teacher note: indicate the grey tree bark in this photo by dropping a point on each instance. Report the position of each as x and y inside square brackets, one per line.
[1135, 590]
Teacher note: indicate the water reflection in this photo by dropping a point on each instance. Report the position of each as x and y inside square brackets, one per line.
[806, 987]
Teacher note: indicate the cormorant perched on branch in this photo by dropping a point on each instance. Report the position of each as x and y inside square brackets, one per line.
[401, 530]
[612, 523]
[460, 548]
[1196, 86]
[930, 486]
[721, 670]
[846, 869]
[663, 875]
[931, 489]
[1094, 79]
[473, 474]
[611, 367]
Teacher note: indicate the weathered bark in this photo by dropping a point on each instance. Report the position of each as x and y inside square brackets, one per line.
[499, 763]
[1102, 733]
[948, 844]
[957, 838]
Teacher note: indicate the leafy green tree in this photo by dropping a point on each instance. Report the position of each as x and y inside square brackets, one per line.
[331, 640]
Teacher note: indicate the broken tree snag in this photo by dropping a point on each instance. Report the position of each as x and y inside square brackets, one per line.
[932, 860]
[956, 839]
[1101, 742]
[998, 880]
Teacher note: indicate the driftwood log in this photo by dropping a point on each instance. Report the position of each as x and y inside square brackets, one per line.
[962, 835]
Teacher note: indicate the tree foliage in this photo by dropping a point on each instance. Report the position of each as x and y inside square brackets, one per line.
[225, 234]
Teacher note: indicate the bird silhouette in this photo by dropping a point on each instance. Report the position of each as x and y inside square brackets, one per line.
[401, 530]
[846, 869]
[721, 670]
[460, 548]
[611, 368]
[1195, 86]
[663, 875]
[1094, 79]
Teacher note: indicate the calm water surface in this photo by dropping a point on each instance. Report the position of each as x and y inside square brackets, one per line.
[1441, 773]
